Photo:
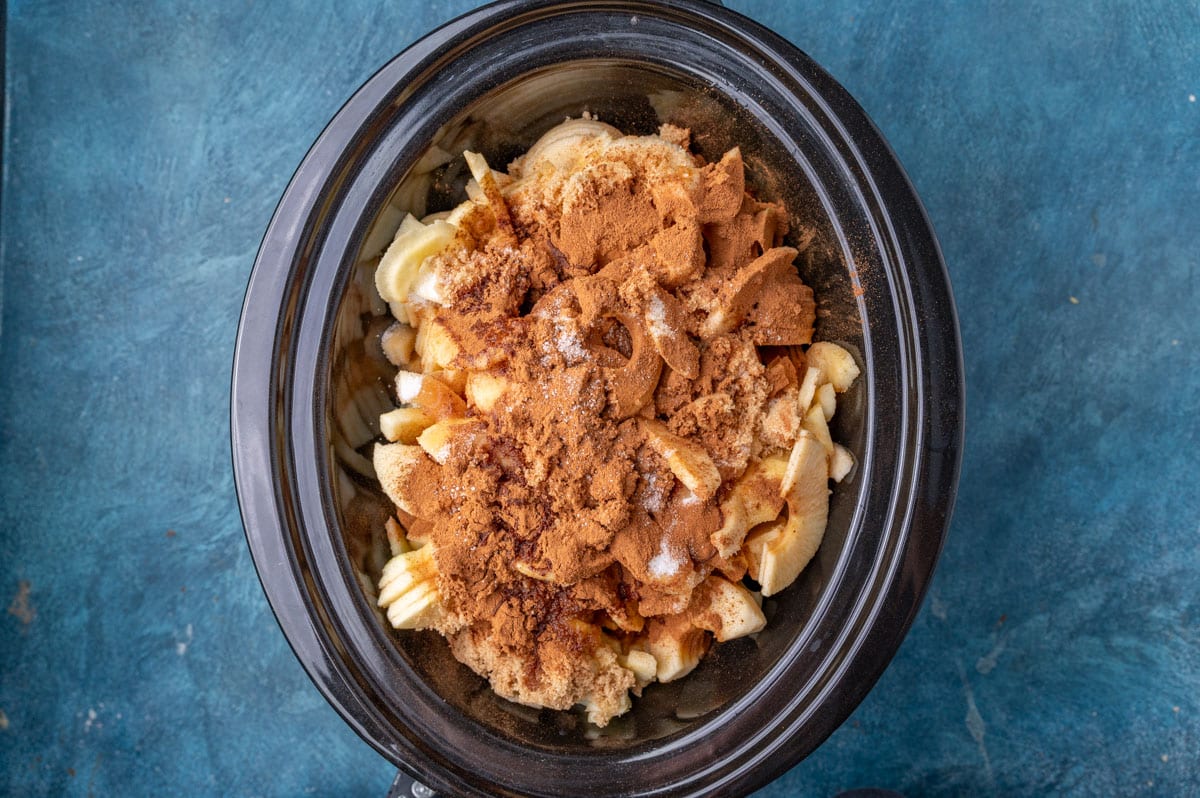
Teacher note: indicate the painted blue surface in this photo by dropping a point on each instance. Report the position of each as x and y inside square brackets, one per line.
[1058, 152]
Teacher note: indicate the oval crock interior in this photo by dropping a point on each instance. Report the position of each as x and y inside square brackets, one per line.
[502, 124]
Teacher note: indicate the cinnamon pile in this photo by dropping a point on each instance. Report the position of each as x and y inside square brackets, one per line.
[631, 302]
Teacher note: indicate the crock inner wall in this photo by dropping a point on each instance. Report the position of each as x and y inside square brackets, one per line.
[502, 122]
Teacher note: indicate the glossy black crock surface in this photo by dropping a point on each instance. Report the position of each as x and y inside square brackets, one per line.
[755, 708]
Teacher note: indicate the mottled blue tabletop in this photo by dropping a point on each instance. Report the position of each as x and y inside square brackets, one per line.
[1057, 148]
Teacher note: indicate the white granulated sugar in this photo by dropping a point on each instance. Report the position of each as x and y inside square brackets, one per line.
[441, 454]
[426, 287]
[391, 332]
[653, 499]
[408, 385]
[657, 317]
[569, 342]
[665, 564]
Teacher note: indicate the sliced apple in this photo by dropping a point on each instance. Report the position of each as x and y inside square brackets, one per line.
[688, 460]
[814, 423]
[436, 346]
[776, 554]
[599, 714]
[676, 647]
[455, 379]
[559, 148]
[401, 263]
[754, 499]
[484, 390]
[438, 399]
[408, 589]
[666, 321]
[841, 463]
[813, 377]
[436, 439]
[837, 364]
[404, 424]
[729, 610]
[642, 664]
[397, 540]
[395, 465]
[740, 294]
[827, 399]
[397, 343]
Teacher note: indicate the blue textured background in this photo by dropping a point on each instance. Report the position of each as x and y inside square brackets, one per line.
[1058, 152]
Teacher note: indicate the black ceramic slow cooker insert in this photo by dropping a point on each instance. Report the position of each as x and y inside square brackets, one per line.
[308, 384]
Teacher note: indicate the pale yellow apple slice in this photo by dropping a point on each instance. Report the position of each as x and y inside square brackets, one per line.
[730, 610]
[754, 499]
[408, 589]
[599, 713]
[676, 655]
[827, 399]
[413, 244]
[688, 460]
[642, 664]
[394, 466]
[397, 342]
[397, 539]
[454, 379]
[484, 390]
[434, 397]
[558, 149]
[404, 424]
[841, 463]
[436, 439]
[835, 362]
[777, 554]
[814, 423]
[813, 377]
[435, 345]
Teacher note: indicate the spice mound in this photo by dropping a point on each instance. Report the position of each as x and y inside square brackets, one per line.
[612, 435]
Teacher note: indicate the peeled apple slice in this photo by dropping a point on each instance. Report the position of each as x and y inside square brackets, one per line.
[754, 499]
[835, 363]
[435, 440]
[408, 589]
[558, 148]
[401, 264]
[815, 424]
[777, 554]
[394, 465]
[841, 463]
[484, 390]
[732, 611]
[677, 651]
[642, 664]
[404, 424]
[435, 345]
[687, 460]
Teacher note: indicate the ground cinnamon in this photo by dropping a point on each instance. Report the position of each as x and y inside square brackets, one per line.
[594, 298]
